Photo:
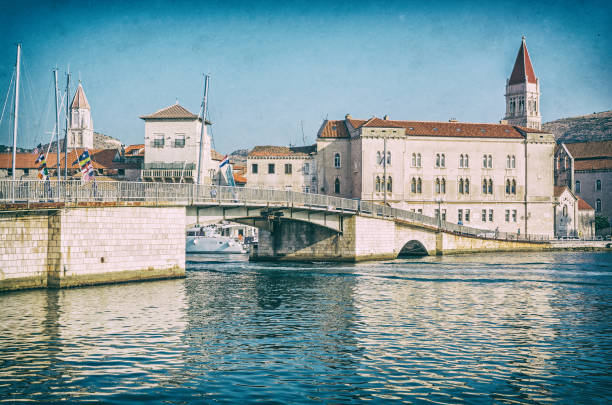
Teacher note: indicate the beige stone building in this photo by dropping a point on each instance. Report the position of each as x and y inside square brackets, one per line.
[172, 144]
[281, 167]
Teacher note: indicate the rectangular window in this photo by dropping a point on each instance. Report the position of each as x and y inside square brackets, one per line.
[270, 168]
[443, 215]
[459, 216]
[507, 215]
[254, 168]
[306, 189]
[420, 211]
[467, 215]
[179, 141]
[484, 215]
[26, 171]
[513, 215]
[158, 141]
[437, 213]
[490, 215]
[121, 172]
[306, 168]
[288, 168]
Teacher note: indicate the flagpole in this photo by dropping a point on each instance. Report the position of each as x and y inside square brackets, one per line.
[16, 116]
[57, 132]
[67, 124]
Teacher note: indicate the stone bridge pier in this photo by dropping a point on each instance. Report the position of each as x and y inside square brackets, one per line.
[365, 238]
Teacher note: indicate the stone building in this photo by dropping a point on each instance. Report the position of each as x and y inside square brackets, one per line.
[586, 168]
[172, 144]
[566, 212]
[586, 220]
[523, 93]
[280, 167]
[81, 133]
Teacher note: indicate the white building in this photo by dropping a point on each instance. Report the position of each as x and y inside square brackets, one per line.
[81, 133]
[281, 167]
[172, 144]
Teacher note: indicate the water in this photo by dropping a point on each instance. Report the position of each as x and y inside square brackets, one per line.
[499, 328]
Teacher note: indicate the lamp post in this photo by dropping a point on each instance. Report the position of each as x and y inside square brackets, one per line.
[439, 201]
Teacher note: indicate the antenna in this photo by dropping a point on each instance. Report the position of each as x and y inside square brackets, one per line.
[303, 136]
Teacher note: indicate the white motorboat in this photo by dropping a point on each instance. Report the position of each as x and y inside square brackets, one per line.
[209, 240]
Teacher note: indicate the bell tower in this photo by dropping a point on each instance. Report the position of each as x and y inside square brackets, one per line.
[81, 125]
[523, 93]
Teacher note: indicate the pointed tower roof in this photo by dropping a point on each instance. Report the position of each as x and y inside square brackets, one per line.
[523, 70]
[79, 100]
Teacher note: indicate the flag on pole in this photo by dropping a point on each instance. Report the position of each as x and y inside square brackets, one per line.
[224, 161]
[38, 150]
[43, 173]
[86, 166]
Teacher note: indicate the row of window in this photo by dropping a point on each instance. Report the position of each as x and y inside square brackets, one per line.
[597, 185]
[272, 168]
[159, 141]
[440, 160]
[464, 215]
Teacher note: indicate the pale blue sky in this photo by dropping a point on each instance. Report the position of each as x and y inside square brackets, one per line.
[274, 66]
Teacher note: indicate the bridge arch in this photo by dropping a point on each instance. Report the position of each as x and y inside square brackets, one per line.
[412, 248]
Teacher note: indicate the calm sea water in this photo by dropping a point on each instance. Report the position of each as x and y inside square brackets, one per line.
[499, 328]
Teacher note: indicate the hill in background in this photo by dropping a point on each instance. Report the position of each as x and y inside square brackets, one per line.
[592, 127]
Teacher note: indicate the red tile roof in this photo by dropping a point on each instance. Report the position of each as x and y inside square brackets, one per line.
[175, 111]
[134, 150]
[584, 206]
[282, 151]
[101, 158]
[593, 164]
[523, 70]
[582, 150]
[79, 100]
[421, 128]
[558, 190]
[238, 179]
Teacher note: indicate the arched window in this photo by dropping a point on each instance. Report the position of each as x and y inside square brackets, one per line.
[337, 186]
[577, 186]
[598, 205]
[378, 157]
[419, 186]
[377, 184]
[388, 158]
[513, 161]
[565, 210]
[414, 159]
[466, 186]
[461, 183]
[418, 160]
[508, 184]
[413, 185]
[490, 161]
[336, 160]
[484, 186]
[508, 161]
[490, 186]
[390, 185]
[466, 161]
[443, 186]
[437, 186]
[598, 185]
[484, 161]
[461, 160]
[437, 160]
[513, 186]
[443, 160]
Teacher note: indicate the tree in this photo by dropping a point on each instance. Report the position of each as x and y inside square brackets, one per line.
[601, 222]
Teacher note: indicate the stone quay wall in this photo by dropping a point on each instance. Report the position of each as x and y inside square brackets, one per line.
[82, 246]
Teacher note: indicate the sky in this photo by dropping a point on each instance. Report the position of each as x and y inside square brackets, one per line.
[278, 69]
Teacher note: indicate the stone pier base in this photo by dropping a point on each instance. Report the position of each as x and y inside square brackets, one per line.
[84, 246]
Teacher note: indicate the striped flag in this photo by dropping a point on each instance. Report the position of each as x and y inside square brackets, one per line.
[41, 161]
[86, 166]
[224, 161]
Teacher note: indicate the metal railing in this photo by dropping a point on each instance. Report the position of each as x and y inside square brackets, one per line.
[74, 192]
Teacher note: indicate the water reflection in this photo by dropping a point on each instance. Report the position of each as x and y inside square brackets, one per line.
[491, 328]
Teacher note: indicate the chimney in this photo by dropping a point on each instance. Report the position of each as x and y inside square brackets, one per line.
[386, 117]
[453, 120]
[504, 122]
[347, 117]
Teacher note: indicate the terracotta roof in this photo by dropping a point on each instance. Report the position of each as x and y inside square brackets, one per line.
[584, 206]
[79, 100]
[437, 129]
[282, 151]
[378, 123]
[172, 112]
[581, 150]
[593, 164]
[558, 190]
[333, 129]
[101, 158]
[134, 150]
[238, 179]
[523, 70]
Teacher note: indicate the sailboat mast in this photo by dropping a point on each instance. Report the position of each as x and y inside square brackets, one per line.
[67, 124]
[57, 132]
[204, 107]
[16, 115]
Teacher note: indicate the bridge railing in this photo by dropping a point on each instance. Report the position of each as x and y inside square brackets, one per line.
[73, 191]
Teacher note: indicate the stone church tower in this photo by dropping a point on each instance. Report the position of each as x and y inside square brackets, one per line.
[81, 125]
[523, 93]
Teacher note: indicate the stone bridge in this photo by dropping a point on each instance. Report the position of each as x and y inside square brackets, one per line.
[73, 234]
